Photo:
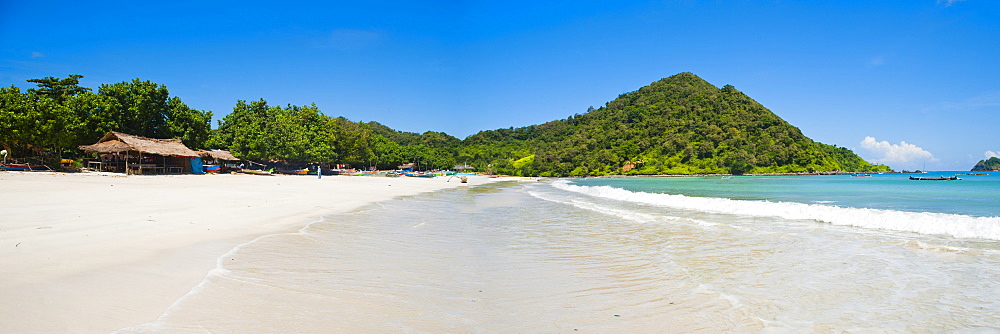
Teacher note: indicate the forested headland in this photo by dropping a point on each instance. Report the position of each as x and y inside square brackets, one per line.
[991, 164]
[677, 125]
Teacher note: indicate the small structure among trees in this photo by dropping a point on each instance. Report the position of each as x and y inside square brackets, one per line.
[131, 154]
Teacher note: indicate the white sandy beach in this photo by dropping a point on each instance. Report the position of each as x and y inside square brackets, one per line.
[92, 253]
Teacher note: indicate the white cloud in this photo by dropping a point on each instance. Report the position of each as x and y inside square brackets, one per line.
[988, 100]
[896, 154]
[991, 154]
[948, 3]
[36, 54]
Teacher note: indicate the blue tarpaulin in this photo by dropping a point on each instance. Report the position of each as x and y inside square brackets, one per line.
[196, 167]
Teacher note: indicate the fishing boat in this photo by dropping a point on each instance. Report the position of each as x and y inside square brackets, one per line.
[361, 173]
[211, 168]
[861, 175]
[302, 171]
[419, 174]
[23, 167]
[326, 171]
[257, 171]
[950, 178]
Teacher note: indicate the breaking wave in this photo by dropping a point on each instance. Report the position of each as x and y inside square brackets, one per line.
[954, 225]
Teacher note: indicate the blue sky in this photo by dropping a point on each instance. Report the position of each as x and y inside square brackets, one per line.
[911, 83]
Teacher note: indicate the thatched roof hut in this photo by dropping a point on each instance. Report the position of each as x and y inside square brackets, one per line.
[174, 156]
[115, 142]
[218, 155]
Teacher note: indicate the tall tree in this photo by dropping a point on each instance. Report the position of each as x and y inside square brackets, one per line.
[31, 124]
[189, 125]
[145, 108]
[59, 89]
[140, 107]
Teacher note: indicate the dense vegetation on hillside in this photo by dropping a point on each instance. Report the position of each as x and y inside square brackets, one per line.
[678, 125]
[987, 165]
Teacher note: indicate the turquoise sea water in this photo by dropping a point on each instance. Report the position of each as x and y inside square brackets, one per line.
[966, 208]
[974, 195]
[804, 254]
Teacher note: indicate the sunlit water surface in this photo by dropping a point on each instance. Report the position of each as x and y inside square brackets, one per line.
[601, 256]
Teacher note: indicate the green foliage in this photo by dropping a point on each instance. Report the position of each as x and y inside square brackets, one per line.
[301, 134]
[430, 150]
[59, 89]
[678, 125]
[31, 124]
[145, 108]
[993, 163]
[60, 115]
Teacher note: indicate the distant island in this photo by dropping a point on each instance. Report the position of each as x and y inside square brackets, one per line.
[990, 164]
[680, 125]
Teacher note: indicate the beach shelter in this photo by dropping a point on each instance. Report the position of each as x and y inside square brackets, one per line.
[218, 155]
[408, 167]
[137, 155]
[213, 160]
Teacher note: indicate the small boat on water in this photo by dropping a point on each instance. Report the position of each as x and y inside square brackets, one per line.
[943, 178]
[861, 175]
[23, 167]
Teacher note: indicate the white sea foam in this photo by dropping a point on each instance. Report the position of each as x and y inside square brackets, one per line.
[625, 214]
[958, 226]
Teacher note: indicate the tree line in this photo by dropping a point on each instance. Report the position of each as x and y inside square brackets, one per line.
[52, 120]
[59, 115]
[678, 125]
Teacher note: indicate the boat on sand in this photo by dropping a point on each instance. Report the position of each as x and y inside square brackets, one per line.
[23, 167]
[257, 171]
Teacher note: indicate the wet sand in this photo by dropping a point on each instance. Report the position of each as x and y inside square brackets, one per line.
[92, 253]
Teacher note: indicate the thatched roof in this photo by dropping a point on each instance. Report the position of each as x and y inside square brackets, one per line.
[107, 147]
[218, 154]
[120, 142]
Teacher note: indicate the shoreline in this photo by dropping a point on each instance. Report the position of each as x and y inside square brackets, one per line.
[96, 252]
[750, 174]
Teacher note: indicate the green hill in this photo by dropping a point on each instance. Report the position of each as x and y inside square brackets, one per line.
[987, 165]
[678, 125]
